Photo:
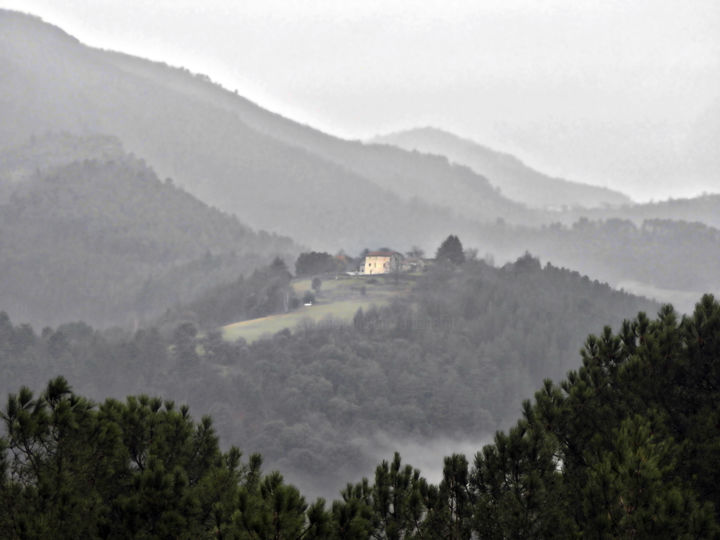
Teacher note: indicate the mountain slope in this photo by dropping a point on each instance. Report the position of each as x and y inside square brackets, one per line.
[105, 240]
[408, 175]
[273, 173]
[511, 176]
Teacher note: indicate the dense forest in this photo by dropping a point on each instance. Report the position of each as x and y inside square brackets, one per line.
[451, 359]
[103, 239]
[626, 446]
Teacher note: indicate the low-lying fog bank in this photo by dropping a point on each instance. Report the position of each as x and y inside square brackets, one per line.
[683, 301]
[426, 455]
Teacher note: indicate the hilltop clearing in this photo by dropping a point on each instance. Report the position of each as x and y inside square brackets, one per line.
[337, 302]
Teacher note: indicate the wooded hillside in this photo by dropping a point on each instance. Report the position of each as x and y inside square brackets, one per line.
[104, 240]
[625, 446]
[453, 357]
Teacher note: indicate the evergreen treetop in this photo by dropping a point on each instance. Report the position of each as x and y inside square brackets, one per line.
[451, 250]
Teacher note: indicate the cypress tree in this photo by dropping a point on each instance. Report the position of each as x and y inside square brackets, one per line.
[451, 250]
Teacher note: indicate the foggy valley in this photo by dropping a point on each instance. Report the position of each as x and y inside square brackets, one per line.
[221, 320]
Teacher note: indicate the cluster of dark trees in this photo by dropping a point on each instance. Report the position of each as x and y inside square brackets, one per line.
[624, 447]
[316, 262]
[266, 291]
[451, 250]
[451, 358]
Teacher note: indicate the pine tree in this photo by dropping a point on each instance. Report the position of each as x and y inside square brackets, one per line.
[451, 250]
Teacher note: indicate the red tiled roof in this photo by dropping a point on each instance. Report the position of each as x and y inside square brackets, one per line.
[381, 254]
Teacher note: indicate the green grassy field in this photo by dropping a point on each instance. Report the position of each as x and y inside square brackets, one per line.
[339, 299]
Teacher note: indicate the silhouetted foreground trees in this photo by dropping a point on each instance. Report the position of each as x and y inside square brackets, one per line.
[626, 446]
[135, 469]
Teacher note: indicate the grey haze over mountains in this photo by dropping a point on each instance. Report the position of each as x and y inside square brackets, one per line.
[324, 192]
[511, 176]
[273, 173]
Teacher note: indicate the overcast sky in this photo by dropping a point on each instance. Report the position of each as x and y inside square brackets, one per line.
[617, 93]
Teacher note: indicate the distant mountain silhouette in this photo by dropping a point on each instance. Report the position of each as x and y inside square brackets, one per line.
[511, 176]
[703, 209]
[273, 173]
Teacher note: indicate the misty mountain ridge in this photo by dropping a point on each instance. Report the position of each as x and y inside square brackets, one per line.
[568, 201]
[278, 175]
[506, 172]
[273, 173]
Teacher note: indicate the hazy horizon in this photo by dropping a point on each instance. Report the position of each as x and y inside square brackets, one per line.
[610, 94]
